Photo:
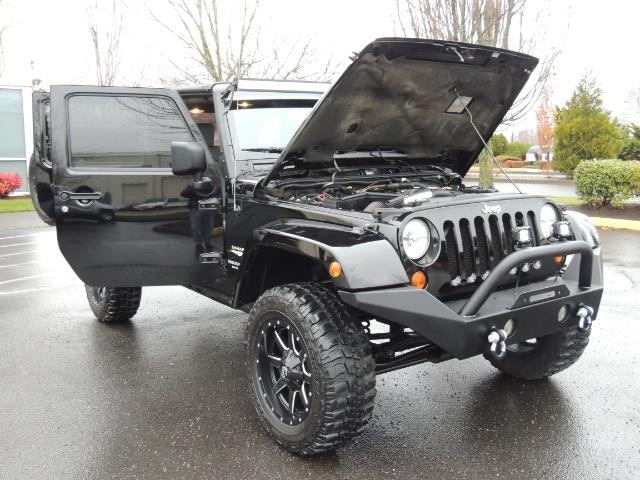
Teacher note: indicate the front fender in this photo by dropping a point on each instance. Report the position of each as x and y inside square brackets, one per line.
[368, 260]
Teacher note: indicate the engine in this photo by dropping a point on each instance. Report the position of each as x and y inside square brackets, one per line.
[391, 195]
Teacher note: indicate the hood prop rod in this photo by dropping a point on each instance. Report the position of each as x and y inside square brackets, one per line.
[482, 140]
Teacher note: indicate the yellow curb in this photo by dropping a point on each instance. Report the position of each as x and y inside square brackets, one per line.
[616, 223]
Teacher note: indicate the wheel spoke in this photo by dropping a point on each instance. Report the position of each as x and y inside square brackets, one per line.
[304, 368]
[280, 385]
[292, 342]
[292, 400]
[303, 395]
[281, 344]
[275, 361]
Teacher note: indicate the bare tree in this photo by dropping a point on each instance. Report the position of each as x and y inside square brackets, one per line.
[106, 29]
[3, 29]
[632, 103]
[234, 52]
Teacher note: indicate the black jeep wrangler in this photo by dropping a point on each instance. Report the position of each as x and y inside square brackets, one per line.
[335, 214]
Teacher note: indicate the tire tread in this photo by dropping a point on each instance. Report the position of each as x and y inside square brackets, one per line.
[559, 352]
[119, 305]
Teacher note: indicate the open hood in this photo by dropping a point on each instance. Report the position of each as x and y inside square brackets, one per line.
[400, 94]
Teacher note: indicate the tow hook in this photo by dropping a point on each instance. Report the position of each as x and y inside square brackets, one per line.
[497, 345]
[584, 314]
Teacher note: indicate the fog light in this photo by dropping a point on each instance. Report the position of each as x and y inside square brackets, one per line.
[509, 327]
[525, 267]
[513, 271]
[537, 265]
[335, 269]
[563, 313]
[521, 236]
[561, 230]
[419, 280]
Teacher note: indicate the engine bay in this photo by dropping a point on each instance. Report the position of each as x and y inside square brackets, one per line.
[388, 195]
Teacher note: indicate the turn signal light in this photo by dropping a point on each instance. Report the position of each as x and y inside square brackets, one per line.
[335, 269]
[559, 260]
[419, 280]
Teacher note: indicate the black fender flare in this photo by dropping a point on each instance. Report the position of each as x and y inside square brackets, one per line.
[367, 259]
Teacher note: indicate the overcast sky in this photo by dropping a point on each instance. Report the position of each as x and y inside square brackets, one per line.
[49, 39]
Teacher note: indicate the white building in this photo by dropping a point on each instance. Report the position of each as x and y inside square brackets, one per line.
[16, 132]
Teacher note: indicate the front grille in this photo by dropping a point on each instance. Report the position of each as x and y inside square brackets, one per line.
[475, 246]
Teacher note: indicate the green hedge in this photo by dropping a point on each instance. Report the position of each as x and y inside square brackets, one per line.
[516, 149]
[604, 182]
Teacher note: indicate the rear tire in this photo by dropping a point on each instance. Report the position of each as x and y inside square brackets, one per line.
[310, 370]
[549, 355]
[111, 305]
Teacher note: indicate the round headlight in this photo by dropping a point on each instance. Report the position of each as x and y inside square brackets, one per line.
[548, 215]
[416, 239]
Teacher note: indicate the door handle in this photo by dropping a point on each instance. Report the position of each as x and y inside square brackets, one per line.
[86, 196]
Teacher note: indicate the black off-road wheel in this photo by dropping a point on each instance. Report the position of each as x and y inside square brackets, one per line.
[310, 370]
[539, 358]
[111, 305]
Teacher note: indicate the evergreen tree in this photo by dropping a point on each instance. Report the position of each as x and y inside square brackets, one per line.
[631, 149]
[584, 129]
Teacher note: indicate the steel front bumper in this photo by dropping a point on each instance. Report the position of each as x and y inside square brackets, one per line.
[461, 327]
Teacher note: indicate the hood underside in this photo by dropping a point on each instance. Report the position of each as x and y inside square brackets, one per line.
[400, 95]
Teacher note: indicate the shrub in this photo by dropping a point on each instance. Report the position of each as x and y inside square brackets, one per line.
[498, 144]
[604, 182]
[510, 162]
[517, 149]
[503, 158]
[9, 182]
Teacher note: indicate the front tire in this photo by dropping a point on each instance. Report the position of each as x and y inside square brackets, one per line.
[310, 369]
[542, 357]
[112, 305]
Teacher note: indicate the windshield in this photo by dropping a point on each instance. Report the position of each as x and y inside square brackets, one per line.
[266, 126]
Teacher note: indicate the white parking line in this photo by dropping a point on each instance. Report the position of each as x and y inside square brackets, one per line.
[30, 290]
[14, 280]
[18, 244]
[18, 264]
[28, 235]
[17, 253]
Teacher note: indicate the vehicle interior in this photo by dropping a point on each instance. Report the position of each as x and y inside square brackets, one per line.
[200, 105]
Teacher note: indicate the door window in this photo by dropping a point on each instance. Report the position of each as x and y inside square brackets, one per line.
[124, 131]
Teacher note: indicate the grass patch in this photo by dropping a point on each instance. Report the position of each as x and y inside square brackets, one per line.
[567, 200]
[9, 205]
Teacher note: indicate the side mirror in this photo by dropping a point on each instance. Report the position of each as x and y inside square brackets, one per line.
[188, 158]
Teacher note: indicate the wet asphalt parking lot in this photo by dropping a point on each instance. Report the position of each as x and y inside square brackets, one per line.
[164, 396]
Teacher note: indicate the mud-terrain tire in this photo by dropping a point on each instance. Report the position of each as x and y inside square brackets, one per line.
[335, 364]
[550, 354]
[111, 305]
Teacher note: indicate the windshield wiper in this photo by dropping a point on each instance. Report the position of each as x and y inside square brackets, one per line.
[264, 150]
